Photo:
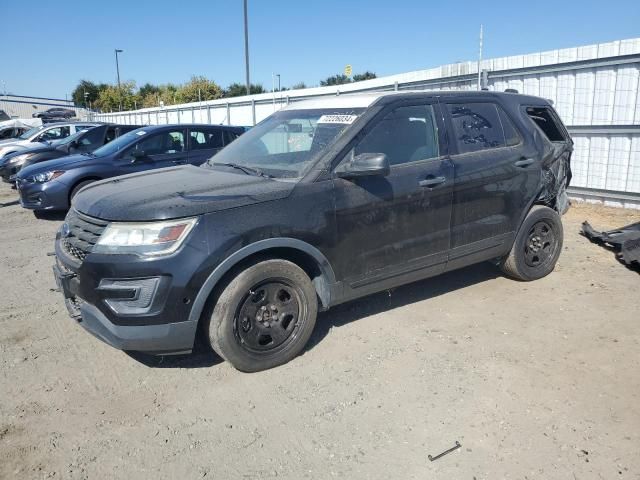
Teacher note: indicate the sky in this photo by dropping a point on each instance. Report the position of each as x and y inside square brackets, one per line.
[56, 44]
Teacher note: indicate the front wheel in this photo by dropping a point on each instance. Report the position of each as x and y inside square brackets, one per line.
[537, 246]
[264, 316]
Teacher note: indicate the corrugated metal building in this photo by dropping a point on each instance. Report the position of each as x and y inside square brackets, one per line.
[595, 89]
[20, 106]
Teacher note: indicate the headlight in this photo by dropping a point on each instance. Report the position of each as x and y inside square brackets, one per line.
[45, 176]
[153, 238]
[18, 159]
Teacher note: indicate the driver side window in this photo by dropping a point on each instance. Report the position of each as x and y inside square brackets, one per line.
[406, 134]
[163, 143]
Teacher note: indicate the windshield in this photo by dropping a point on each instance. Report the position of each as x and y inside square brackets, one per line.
[123, 141]
[30, 133]
[286, 144]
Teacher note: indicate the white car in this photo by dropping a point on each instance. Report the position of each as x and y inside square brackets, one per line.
[42, 134]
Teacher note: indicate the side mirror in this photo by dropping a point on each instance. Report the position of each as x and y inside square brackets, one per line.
[73, 145]
[364, 165]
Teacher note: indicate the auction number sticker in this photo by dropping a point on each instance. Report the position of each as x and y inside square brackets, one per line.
[345, 119]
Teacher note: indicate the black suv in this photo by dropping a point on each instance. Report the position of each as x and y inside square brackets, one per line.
[323, 202]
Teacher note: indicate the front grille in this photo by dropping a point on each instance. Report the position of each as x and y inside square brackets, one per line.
[83, 233]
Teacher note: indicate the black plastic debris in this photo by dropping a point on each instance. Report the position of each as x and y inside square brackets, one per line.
[625, 241]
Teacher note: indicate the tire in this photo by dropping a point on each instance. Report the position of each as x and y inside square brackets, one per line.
[537, 246]
[264, 316]
[77, 188]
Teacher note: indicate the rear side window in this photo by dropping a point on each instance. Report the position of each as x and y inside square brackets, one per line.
[476, 126]
[92, 138]
[230, 136]
[547, 122]
[205, 138]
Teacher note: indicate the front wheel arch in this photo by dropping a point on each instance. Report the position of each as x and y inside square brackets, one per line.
[306, 256]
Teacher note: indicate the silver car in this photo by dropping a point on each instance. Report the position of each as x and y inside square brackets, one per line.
[42, 134]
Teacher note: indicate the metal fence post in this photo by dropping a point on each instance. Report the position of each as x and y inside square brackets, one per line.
[208, 113]
[193, 114]
[253, 110]
[228, 114]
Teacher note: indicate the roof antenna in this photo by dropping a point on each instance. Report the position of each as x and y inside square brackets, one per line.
[480, 60]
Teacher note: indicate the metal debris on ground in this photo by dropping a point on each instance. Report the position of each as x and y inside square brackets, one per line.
[625, 241]
[457, 446]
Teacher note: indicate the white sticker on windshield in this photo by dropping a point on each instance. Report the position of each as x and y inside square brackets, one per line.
[142, 132]
[346, 119]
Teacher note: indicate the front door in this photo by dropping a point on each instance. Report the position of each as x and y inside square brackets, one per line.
[156, 150]
[391, 228]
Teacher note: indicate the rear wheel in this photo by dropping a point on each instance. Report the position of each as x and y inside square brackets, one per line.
[264, 316]
[537, 246]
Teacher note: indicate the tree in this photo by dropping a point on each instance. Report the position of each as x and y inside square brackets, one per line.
[238, 89]
[339, 79]
[198, 88]
[298, 86]
[91, 89]
[358, 77]
[112, 97]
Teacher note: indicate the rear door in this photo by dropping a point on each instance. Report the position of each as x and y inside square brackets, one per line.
[391, 227]
[496, 178]
[204, 143]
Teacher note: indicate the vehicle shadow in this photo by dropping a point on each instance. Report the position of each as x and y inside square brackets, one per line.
[10, 204]
[399, 297]
[201, 357]
[55, 216]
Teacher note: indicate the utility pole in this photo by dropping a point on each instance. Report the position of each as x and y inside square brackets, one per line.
[246, 47]
[118, 73]
[278, 75]
[480, 61]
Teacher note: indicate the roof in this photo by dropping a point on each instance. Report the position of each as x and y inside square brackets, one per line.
[364, 100]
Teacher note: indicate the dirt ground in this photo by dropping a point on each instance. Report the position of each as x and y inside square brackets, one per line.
[535, 380]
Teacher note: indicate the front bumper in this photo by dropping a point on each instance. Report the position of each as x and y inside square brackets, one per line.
[8, 171]
[53, 195]
[128, 304]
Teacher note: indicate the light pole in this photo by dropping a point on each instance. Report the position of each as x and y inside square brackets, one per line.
[246, 47]
[278, 75]
[118, 73]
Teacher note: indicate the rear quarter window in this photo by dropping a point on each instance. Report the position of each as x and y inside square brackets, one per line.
[548, 122]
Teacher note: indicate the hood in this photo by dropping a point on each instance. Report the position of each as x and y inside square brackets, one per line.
[10, 141]
[63, 163]
[176, 192]
[25, 151]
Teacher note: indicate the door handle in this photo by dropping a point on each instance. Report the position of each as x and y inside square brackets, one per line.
[524, 162]
[431, 181]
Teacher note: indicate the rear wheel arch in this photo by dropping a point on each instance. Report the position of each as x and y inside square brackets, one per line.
[304, 255]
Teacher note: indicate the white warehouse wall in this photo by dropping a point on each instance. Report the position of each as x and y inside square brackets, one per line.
[595, 89]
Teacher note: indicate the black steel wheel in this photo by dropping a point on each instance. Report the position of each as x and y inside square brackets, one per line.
[537, 246]
[541, 244]
[264, 316]
[268, 315]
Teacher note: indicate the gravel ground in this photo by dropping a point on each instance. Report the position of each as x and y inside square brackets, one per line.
[535, 380]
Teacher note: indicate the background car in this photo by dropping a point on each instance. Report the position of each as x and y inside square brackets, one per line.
[52, 184]
[41, 135]
[80, 142]
[55, 112]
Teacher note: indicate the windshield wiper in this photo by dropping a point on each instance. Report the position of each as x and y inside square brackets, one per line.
[88, 154]
[245, 169]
